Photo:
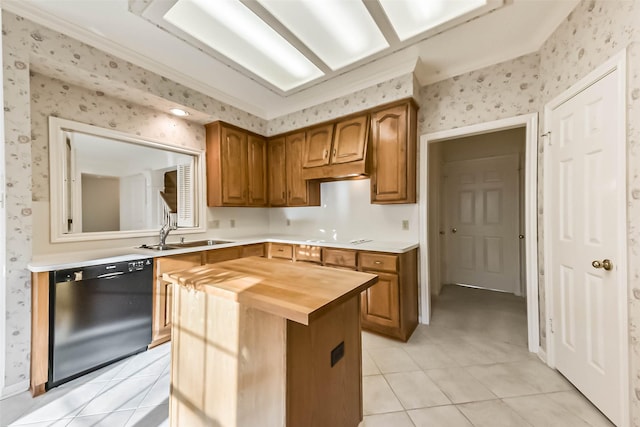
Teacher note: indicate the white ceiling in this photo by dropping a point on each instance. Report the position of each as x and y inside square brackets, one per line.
[517, 28]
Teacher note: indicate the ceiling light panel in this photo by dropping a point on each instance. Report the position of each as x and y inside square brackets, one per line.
[233, 30]
[339, 32]
[412, 17]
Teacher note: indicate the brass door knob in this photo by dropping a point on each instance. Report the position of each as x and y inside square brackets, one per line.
[605, 263]
[454, 230]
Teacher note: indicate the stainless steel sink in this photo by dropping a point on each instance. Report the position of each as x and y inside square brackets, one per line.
[194, 244]
[197, 243]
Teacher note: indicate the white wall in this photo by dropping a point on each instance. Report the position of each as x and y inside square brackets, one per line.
[346, 213]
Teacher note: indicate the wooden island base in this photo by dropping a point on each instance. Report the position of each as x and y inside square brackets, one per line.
[238, 360]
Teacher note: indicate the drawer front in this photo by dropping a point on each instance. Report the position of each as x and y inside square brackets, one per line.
[279, 250]
[308, 253]
[223, 254]
[253, 250]
[339, 257]
[380, 262]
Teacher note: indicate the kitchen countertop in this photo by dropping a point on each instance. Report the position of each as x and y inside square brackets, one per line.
[65, 260]
[296, 292]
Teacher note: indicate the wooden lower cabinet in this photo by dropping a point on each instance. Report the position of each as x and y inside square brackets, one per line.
[162, 293]
[380, 303]
[390, 307]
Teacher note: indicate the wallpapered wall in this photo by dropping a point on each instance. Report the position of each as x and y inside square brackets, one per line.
[594, 31]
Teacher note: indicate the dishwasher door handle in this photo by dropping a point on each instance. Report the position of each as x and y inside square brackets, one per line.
[110, 275]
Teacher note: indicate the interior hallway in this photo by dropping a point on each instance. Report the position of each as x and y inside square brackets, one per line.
[470, 367]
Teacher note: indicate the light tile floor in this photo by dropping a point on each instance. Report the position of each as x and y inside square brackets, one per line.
[470, 367]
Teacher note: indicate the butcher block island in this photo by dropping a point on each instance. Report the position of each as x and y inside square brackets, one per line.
[265, 342]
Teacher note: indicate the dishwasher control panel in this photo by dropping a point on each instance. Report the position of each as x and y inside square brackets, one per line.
[138, 265]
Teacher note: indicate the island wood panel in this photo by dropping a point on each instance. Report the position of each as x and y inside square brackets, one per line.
[228, 363]
[39, 332]
[264, 368]
[318, 394]
[296, 292]
[162, 293]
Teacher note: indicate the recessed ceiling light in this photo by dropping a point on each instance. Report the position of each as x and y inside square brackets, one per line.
[339, 32]
[178, 112]
[412, 17]
[233, 30]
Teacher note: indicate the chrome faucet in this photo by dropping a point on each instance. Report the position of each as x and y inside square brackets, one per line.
[169, 225]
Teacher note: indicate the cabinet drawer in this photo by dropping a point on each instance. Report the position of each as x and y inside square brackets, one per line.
[253, 250]
[279, 250]
[339, 257]
[380, 262]
[223, 254]
[308, 253]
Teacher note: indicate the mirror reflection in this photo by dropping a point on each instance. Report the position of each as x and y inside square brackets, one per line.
[113, 183]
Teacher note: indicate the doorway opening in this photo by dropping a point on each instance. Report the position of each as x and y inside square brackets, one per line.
[469, 149]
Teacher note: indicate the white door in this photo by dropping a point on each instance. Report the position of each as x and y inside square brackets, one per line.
[482, 223]
[583, 215]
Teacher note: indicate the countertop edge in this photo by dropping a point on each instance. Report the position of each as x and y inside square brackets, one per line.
[51, 262]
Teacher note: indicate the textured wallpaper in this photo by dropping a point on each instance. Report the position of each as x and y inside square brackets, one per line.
[389, 91]
[53, 97]
[503, 90]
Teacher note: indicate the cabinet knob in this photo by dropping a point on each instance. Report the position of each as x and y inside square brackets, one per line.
[325, 153]
[334, 153]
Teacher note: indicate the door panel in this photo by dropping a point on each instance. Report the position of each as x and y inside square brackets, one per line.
[350, 140]
[297, 194]
[482, 211]
[317, 146]
[584, 224]
[277, 173]
[257, 171]
[234, 167]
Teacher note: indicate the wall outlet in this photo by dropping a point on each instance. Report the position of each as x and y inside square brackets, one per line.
[232, 223]
[405, 224]
[214, 223]
[288, 222]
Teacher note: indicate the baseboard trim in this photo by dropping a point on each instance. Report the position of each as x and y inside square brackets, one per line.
[14, 389]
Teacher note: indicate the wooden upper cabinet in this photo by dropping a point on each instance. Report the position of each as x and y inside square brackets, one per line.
[299, 191]
[393, 134]
[350, 140]
[277, 172]
[337, 150]
[236, 167]
[257, 171]
[233, 149]
[317, 147]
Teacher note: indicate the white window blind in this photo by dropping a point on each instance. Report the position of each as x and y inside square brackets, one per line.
[186, 193]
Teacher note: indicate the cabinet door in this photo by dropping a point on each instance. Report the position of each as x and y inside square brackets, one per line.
[233, 149]
[318, 146]
[394, 151]
[297, 194]
[380, 303]
[350, 141]
[277, 173]
[257, 171]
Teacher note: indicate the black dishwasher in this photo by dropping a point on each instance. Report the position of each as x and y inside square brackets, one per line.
[98, 315]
